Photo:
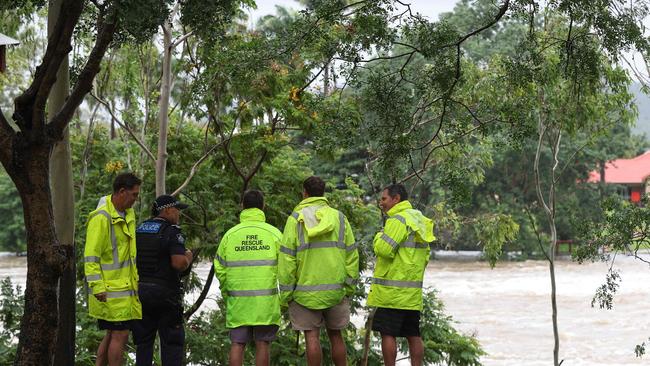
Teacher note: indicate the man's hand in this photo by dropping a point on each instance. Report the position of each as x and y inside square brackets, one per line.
[190, 256]
[101, 297]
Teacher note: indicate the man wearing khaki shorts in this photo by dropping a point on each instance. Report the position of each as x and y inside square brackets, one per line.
[318, 265]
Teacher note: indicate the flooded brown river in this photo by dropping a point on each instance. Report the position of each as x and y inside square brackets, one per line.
[508, 308]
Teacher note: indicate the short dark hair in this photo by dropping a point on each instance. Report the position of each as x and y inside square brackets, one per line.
[395, 189]
[314, 186]
[253, 199]
[125, 180]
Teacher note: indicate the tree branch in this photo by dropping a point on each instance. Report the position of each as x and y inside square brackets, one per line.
[202, 296]
[226, 146]
[181, 39]
[195, 168]
[7, 134]
[30, 105]
[85, 81]
[124, 126]
[500, 14]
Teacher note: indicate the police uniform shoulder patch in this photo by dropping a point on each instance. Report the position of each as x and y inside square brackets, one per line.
[149, 227]
[180, 239]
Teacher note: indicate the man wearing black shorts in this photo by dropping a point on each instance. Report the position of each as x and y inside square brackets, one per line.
[402, 250]
[109, 267]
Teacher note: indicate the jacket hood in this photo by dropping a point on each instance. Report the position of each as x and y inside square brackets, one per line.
[315, 212]
[415, 220]
[252, 214]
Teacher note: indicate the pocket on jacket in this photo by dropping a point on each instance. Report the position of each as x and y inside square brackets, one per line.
[118, 285]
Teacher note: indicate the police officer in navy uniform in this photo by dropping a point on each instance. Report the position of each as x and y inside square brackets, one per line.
[161, 258]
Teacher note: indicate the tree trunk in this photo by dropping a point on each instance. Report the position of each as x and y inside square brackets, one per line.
[63, 209]
[326, 79]
[601, 183]
[549, 210]
[163, 118]
[45, 261]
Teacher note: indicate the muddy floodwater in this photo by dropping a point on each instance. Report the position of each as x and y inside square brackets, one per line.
[508, 309]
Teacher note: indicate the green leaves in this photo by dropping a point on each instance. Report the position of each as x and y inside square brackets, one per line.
[495, 230]
[210, 19]
[11, 311]
[442, 343]
[12, 236]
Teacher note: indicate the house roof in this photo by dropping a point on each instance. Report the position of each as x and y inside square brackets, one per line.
[624, 171]
[6, 40]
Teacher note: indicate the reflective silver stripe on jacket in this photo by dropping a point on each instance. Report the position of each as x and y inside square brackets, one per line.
[116, 258]
[342, 229]
[399, 218]
[117, 294]
[389, 240]
[350, 281]
[333, 286]
[352, 247]
[295, 215]
[412, 244]
[246, 293]
[395, 283]
[113, 266]
[92, 259]
[287, 287]
[93, 277]
[285, 250]
[321, 244]
[251, 263]
[221, 260]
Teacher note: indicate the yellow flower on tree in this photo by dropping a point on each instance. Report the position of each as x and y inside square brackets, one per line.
[113, 166]
[293, 94]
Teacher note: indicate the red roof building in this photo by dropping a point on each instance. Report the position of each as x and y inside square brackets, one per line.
[633, 174]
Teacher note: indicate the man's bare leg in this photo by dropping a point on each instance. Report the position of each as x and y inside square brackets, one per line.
[262, 353]
[102, 350]
[339, 356]
[388, 349]
[416, 349]
[236, 354]
[314, 352]
[116, 347]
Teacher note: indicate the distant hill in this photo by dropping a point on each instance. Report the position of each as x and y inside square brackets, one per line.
[643, 104]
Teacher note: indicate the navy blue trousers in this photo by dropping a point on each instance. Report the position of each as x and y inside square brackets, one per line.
[162, 313]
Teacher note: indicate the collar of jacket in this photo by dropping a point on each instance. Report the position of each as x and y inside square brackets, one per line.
[312, 201]
[401, 206]
[129, 214]
[252, 214]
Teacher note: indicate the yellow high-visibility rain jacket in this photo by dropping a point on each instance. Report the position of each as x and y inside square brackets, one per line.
[109, 264]
[319, 261]
[402, 250]
[246, 266]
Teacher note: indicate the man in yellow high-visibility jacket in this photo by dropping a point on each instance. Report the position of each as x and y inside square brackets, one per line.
[246, 266]
[110, 268]
[318, 266]
[402, 250]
